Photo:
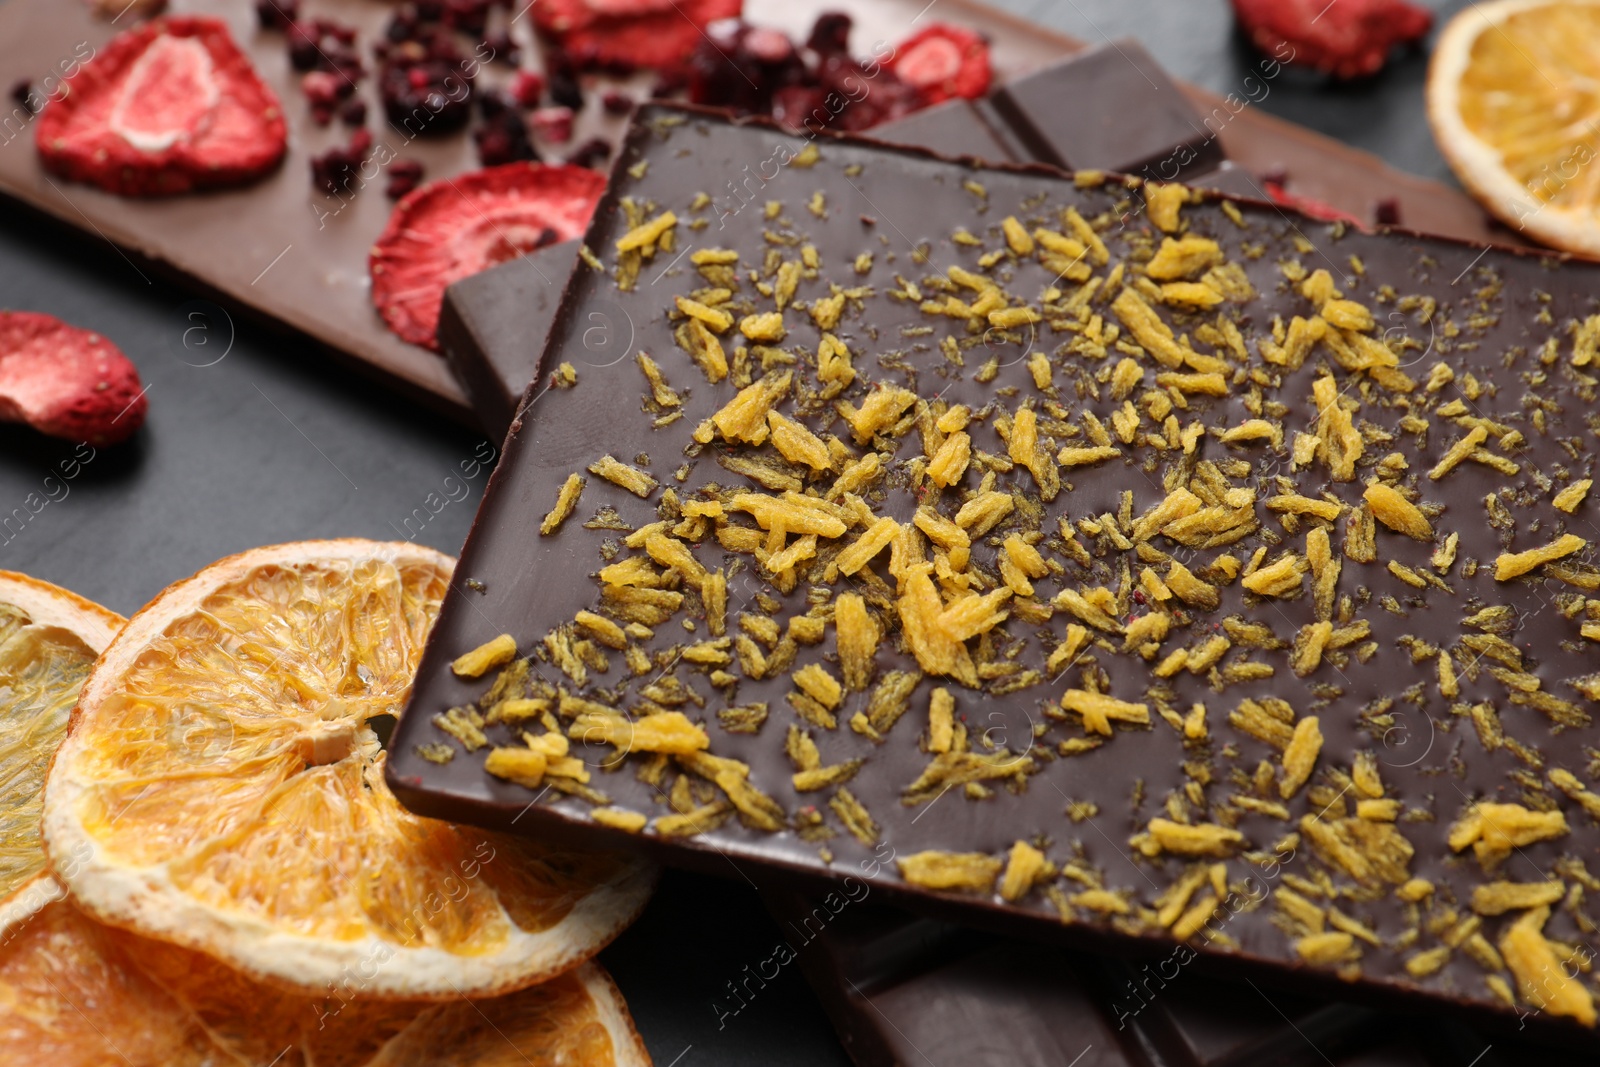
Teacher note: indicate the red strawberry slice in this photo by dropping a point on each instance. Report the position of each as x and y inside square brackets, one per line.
[944, 61]
[456, 227]
[1349, 39]
[1311, 206]
[67, 382]
[169, 107]
[622, 35]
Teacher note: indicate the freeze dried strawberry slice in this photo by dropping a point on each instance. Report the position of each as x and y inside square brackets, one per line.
[1307, 205]
[66, 382]
[455, 227]
[944, 61]
[1348, 39]
[169, 107]
[623, 35]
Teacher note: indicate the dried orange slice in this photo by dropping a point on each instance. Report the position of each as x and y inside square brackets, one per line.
[75, 993]
[48, 640]
[221, 787]
[1514, 102]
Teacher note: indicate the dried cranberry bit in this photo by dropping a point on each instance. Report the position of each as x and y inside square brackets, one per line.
[527, 87]
[22, 94]
[553, 124]
[740, 66]
[404, 176]
[616, 103]
[336, 170]
[467, 16]
[500, 48]
[321, 44]
[830, 34]
[427, 84]
[592, 153]
[564, 87]
[277, 14]
[503, 137]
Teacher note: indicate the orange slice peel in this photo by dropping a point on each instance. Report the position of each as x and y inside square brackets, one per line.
[221, 788]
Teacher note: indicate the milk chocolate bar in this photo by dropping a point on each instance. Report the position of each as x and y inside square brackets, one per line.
[1229, 571]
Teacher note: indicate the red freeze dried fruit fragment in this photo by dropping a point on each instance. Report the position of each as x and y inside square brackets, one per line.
[166, 108]
[625, 35]
[67, 382]
[944, 61]
[1311, 206]
[456, 227]
[1348, 39]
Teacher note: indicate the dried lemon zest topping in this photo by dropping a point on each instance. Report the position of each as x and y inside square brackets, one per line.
[486, 657]
[968, 871]
[1510, 565]
[714, 318]
[1541, 974]
[566, 503]
[648, 233]
[1397, 513]
[623, 475]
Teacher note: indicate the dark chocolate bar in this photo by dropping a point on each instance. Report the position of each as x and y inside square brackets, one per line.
[1282, 695]
[492, 328]
[492, 325]
[953, 128]
[1074, 116]
[903, 990]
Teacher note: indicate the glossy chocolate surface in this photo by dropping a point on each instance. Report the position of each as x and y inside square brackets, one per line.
[1076, 117]
[902, 990]
[1430, 759]
[493, 325]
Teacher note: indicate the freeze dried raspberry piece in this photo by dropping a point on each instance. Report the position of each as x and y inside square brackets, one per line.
[625, 35]
[67, 382]
[1348, 39]
[944, 61]
[169, 107]
[455, 227]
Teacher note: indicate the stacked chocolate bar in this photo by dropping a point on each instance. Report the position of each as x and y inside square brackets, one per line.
[1133, 120]
[1231, 571]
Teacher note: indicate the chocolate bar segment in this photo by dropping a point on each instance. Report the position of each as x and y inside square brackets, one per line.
[492, 329]
[1110, 108]
[953, 128]
[1262, 627]
[907, 990]
[489, 323]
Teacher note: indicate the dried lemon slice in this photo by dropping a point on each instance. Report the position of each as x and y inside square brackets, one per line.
[1514, 103]
[48, 640]
[222, 788]
[75, 993]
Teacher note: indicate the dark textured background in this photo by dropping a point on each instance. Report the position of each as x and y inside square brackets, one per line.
[270, 442]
